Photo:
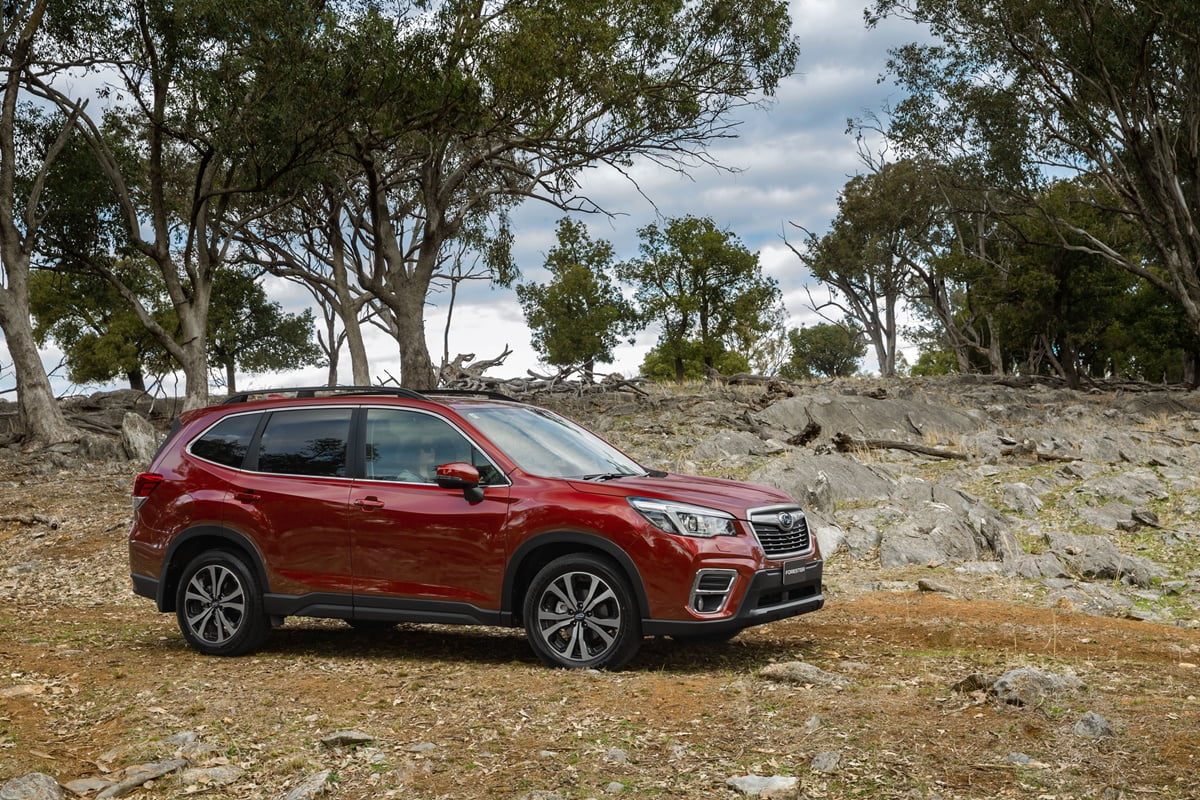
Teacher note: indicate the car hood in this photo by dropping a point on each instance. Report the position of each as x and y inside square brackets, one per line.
[733, 497]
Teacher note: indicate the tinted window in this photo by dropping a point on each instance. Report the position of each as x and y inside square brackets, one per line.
[227, 441]
[308, 441]
[408, 446]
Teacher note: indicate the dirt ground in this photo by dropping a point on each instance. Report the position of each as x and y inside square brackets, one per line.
[92, 680]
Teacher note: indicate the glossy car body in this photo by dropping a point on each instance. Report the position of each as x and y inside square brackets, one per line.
[257, 510]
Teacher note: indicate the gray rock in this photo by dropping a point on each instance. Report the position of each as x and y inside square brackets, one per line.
[618, 755]
[541, 794]
[933, 534]
[1098, 557]
[801, 673]
[803, 474]
[34, 786]
[1135, 487]
[927, 585]
[87, 786]
[614, 787]
[758, 786]
[347, 739]
[141, 774]
[212, 776]
[1028, 686]
[734, 443]
[312, 786]
[827, 761]
[1022, 499]
[870, 417]
[1093, 726]
[422, 747]
[830, 536]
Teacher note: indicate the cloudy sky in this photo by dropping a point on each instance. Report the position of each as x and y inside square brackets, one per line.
[791, 159]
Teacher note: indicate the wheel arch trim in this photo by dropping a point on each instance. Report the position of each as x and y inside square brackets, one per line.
[561, 543]
[174, 565]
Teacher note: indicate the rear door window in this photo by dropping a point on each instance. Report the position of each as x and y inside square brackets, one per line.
[308, 441]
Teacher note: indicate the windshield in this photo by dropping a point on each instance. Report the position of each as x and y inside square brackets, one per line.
[545, 444]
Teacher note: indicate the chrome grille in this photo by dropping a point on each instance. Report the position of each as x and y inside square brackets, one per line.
[777, 540]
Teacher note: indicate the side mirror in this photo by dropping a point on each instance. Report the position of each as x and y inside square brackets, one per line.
[460, 475]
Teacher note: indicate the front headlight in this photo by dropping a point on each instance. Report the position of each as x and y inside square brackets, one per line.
[685, 519]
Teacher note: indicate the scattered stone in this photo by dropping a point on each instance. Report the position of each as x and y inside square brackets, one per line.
[212, 776]
[313, 786]
[758, 786]
[347, 739]
[541, 794]
[1028, 686]
[1093, 726]
[827, 761]
[802, 673]
[34, 786]
[422, 747]
[617, 755]
[87, 786]
[614, 787]
[975, 682]
[927, 585]
[140, 775]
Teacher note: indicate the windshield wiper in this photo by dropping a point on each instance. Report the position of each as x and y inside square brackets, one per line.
[609, 476]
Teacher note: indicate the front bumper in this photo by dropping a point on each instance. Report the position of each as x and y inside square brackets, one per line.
[771, 596]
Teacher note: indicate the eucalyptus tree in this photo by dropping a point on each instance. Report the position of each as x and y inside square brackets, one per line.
[30, 144]
[579, 316]
[1108, 90]
[205, 104]
[471, 106]
[704, 289]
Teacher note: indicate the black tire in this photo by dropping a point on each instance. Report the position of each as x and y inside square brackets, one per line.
[219, 605]
[580, 614]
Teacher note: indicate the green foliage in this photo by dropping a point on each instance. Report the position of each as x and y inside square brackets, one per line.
[250, 332]
[98, 332]
[704, 288]
[934, 362]
[663, 362]
[102, 338]
[579, 316]
[827, 350]
[1015, 91]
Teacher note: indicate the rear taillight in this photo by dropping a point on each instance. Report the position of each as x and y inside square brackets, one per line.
[143, 485]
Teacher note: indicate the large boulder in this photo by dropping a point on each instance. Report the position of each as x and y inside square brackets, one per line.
[867, 417]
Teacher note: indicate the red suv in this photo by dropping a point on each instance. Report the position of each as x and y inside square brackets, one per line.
[378, 505]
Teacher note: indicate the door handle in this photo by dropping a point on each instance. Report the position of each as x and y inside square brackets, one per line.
[369, 503]
[247, 495]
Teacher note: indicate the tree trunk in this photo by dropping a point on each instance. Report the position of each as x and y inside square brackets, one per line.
[137, 381]
[230, 377]
[416, 368]
[41, 419]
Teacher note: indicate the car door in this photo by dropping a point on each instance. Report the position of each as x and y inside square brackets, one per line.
[418, 546]
[292, 500]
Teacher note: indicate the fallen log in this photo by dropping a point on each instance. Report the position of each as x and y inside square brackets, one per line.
[845, 443]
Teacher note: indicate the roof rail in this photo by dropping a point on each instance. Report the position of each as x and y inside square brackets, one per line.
[490, 395]
[312, 391]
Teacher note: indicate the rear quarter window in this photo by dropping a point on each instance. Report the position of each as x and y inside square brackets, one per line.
[228, 441]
